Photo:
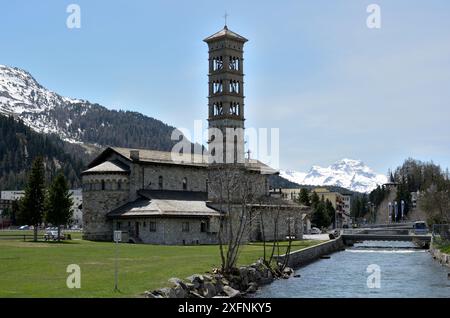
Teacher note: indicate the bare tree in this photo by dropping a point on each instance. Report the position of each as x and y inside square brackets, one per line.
[437, 204]
[233, 190]
[273, 216]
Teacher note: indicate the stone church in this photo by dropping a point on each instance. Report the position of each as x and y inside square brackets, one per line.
[154, 199]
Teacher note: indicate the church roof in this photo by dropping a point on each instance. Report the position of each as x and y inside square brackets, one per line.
[166, 203]
[108, 166]
[165, 157]
[225, 32]
[156, 156]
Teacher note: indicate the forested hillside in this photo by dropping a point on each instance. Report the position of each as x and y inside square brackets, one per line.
[19, 145]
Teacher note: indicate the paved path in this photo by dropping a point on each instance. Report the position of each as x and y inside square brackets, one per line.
[320, 237]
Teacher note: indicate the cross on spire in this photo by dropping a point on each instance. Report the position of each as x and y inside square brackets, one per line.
[225, 18]
[248, 154]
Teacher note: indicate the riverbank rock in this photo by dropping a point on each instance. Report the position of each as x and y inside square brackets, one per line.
[252, 288]
[209, 290]
[239, 282]
[287, 272]
[231, 292]
[176, 281]
[196, 280]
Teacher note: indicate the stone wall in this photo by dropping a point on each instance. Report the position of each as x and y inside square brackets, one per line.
[233, 183]
[442, 258]
[307, 255]
[168, 231]
[287, 222]
[146, 176]
[97, 203]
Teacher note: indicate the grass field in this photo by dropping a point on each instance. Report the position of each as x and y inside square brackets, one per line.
[38, 269]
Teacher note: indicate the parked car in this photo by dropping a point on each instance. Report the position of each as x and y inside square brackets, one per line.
[420, 227]
[315, 230]
[53, 235]
[24, 227]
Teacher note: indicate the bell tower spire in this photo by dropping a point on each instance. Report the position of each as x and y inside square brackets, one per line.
[226, 94]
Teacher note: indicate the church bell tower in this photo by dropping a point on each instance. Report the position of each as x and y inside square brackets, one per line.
[226, 95]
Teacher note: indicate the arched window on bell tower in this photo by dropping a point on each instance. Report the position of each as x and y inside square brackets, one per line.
[217, 63]
[233, 63]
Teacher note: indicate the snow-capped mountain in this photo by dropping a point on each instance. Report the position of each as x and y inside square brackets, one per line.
[21, 95]
[347, 173]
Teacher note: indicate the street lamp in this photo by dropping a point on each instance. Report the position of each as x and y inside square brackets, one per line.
[389, 212]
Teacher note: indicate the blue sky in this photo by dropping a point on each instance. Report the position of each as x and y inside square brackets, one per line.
[334, 87]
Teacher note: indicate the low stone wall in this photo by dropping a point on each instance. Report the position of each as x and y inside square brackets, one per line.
[442, 258]
[309, 254]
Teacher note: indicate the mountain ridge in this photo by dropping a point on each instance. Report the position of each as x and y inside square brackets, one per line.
[77, 120]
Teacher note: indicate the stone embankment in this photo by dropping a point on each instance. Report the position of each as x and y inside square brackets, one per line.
[310, 254]
[246, 279]
[241, 282]
[442, 258]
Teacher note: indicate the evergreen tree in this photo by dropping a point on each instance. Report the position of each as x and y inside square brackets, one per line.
[320, 217]
[303, 197]
[315, 200]
[403, 194]
[58, 203]
[32, 204]
[331, 211]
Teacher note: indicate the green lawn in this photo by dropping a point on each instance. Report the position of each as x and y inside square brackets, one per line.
[29, 269]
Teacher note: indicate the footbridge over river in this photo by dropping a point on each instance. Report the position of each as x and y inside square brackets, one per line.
[386, 233]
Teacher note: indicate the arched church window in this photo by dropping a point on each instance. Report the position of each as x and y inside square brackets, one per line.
[233, 63]
[184, 183]
[160, 182]
[119, 185]
[217, 86]
[103, 184]
[218, 109]
[234, 87]
[217, 63]
[234, 108]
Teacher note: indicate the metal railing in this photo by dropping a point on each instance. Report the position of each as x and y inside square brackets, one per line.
[23, 237]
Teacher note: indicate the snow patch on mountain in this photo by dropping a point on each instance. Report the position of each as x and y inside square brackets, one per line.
[347, 173]
[22, 96]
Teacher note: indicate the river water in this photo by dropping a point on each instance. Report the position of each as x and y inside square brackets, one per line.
[403, 272]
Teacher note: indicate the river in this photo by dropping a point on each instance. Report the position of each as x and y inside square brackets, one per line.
[403, 272]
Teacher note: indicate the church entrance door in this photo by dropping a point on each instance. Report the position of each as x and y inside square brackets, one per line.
[137, 229]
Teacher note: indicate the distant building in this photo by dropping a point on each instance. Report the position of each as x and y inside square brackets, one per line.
[6, 203]
[347, 203]
[289, 194]
[341, 203]
[8, 197]
[12, 195]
